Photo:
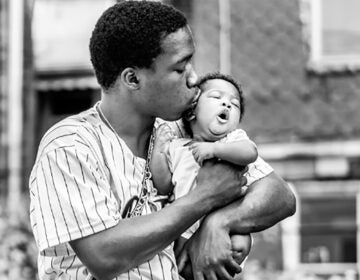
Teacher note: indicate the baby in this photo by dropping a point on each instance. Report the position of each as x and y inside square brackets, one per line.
[213, 130]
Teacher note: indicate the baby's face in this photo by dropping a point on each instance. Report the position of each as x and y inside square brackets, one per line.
[217, 112]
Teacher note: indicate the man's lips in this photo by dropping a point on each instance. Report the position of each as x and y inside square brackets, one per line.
[196, 98]
[197, 95]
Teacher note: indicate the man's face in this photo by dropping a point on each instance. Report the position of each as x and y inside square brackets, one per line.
[168, 87]
[217, 112]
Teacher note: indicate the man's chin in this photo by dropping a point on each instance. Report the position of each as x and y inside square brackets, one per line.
[172, 118]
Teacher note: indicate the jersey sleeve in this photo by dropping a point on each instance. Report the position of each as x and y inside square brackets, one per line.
[237, 135]
[258, 169]
[71, 197]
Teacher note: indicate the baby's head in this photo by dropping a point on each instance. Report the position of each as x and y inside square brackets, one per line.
[219, 109]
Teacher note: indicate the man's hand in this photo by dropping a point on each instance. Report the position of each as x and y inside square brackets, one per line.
[220, 183]
[202, 151]
[212, 254]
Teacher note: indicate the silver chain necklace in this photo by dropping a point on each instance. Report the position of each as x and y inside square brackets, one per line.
[146, 185]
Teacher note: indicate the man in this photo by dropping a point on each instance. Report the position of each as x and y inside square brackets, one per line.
[93, 206]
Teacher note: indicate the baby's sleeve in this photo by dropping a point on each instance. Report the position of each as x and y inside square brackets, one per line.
[258, 169]
[237, 135]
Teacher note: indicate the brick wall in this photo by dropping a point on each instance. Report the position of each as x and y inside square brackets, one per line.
[285, 102]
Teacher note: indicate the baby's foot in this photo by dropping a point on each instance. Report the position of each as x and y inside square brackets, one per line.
[240, 245]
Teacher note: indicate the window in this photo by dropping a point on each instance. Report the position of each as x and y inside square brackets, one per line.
[332, 30]
[328, 230]
[322, 237]
[62, 30]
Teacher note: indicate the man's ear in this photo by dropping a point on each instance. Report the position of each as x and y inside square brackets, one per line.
[130, 77]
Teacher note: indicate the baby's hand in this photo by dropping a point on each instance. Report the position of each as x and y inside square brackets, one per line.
[163, 137]
[202, 151]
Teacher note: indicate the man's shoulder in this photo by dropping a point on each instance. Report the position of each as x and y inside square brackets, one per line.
[67, 131]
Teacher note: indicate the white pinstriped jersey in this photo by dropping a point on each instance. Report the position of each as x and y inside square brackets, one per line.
[83, 177]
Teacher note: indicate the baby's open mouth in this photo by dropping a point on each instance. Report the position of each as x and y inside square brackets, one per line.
[223, 116]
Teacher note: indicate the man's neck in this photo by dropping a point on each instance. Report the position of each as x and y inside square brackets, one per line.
[132, 127]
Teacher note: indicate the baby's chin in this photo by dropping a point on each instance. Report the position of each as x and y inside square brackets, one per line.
[217, 132]
[210, 134]
[214, 135]
[205, 137]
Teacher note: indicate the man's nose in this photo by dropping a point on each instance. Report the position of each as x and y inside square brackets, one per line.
[192, 78]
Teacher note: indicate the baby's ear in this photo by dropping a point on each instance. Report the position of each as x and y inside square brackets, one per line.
[189, 115]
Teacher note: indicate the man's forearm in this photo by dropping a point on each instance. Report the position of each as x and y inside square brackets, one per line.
[133, 241]
[267, 201]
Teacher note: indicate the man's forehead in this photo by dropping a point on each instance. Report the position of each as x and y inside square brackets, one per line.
[179, 44]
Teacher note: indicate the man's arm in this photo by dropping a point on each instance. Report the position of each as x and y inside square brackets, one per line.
[267, 201]
[136, 240]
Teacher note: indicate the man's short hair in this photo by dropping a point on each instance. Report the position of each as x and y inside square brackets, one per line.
[129, 34]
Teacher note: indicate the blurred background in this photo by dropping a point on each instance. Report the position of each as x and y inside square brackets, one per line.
[298, 62]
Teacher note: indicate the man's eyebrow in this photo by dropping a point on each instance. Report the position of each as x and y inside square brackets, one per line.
[184, 59]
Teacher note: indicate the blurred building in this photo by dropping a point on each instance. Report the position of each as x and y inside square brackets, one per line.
[298, 61]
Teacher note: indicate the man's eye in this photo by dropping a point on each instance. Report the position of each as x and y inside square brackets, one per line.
[179, 71]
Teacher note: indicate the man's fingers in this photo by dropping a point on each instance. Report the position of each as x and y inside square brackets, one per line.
[182, 259]
[198, 275]
[232, 266]
[210, 275]
[224, 274]
[187, 273]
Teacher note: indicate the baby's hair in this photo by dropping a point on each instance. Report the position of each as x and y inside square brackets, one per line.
[216, 76]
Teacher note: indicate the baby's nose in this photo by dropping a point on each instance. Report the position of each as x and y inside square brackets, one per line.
[226, 104]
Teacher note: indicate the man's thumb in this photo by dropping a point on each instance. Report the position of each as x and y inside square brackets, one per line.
[181, 260]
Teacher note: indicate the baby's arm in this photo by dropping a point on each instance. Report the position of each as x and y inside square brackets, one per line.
[240, 152]
[159, 167]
